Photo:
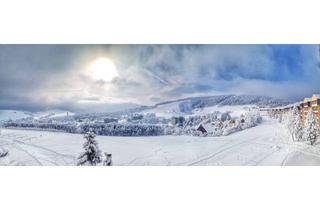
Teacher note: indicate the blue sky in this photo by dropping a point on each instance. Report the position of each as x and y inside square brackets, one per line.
[36, 77]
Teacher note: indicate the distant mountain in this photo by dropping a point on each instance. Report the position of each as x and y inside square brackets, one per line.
[168, 108]
[6, 115]
[186, 105]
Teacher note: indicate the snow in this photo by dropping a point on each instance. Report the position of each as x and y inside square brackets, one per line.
[172, 109]
[13, 115]
[265, 144]
[207, 104]
[52, 114]
[6, 115]
[235, 111]
[166, 110]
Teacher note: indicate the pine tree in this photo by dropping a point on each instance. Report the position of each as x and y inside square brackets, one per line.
[311, 129]
[297, 125]
[92, 155]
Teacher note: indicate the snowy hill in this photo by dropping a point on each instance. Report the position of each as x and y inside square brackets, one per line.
[189, 106]
[52, 114]
[223, 100]
[236, 105]
[6, 115]
[13, 115]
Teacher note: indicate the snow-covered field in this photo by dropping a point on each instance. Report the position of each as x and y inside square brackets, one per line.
[266, 144]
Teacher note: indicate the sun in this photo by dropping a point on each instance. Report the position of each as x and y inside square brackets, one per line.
[103, 69]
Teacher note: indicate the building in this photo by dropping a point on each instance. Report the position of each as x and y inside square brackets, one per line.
[313, 104]
[207, 128]
[307, 104]
[201, 129]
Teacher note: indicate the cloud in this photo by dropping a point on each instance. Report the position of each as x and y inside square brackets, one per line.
[50, 76]
[171, 71]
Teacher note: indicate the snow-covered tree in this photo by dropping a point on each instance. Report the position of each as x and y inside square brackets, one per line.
[280, 118]
[107, 159]
[289, 121]
[92, 154]
[311, 128]
[3, 152]
[225, 116]
[297, 125]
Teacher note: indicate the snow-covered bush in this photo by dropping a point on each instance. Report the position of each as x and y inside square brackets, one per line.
[232, 128]
[3, 153]
[104, 129]
[178, 121]
[92, 154]
[251, 119]
[204, 119]
[225, 116]
[124, 129]
[158, 126]
[214, 126]
[311, 128]
[293, 123]
[66, 127]
[289, 120]
[107, 161]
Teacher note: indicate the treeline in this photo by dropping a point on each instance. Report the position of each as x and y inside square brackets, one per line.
[99, 129]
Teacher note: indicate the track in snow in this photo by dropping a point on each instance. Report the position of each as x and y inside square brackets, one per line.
[266, 144]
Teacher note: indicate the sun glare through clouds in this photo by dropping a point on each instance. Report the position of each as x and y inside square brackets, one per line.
[103, 69]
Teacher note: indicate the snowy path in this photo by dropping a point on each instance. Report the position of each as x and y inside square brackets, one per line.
[266, 144]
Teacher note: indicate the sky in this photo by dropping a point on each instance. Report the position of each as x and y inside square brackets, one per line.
[110, 77]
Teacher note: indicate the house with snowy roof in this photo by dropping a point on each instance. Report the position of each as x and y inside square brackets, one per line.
[206, 128]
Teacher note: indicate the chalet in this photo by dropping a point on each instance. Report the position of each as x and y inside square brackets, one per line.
[201, 129]
[205, 128]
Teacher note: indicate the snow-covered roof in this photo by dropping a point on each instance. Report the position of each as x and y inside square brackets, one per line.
[209, 128]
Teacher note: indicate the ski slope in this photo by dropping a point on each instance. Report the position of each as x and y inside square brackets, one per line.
[266, 144]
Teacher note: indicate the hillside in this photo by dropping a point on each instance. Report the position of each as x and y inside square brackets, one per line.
[237, 104]
[13, 115]
[214, 103]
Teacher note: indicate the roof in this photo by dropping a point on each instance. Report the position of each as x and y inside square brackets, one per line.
[209, 128]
